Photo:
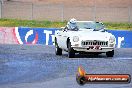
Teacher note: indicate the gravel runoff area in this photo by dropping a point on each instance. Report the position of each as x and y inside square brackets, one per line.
[37, 66]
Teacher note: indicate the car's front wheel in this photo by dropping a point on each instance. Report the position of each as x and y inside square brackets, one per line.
[58, 51]
[110, 53]
[71, 52]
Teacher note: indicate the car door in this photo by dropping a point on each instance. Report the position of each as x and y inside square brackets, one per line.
[64, 39]
[59, 38]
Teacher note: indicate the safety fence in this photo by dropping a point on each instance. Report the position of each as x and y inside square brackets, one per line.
[59, 12]
[27, 35]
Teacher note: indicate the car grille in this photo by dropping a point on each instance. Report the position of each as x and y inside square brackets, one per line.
[95, 42]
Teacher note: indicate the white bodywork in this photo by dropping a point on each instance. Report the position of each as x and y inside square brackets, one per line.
[86, 40]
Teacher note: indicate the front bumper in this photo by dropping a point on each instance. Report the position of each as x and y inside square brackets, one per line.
[86, 49]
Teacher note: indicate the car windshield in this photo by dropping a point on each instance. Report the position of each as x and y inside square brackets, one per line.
[90, 25]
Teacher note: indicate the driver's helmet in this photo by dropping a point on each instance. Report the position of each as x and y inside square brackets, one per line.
[72, 25]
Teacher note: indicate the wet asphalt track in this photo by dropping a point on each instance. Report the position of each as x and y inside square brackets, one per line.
[36, 66]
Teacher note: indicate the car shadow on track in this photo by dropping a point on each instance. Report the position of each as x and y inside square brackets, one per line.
[87, 56]
[121, 53]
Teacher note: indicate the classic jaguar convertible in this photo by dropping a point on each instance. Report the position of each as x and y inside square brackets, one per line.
[89, 37]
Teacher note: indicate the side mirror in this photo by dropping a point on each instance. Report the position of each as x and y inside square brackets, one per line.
[64, 29]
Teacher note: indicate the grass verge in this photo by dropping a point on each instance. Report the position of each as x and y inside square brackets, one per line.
[49, 24]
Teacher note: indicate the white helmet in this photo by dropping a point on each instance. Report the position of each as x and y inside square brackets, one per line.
[73, 21]
[72, 24]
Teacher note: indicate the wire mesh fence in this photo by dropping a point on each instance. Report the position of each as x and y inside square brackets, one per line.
[30, 11]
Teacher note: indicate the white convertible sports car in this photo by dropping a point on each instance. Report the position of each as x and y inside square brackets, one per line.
[91, 37]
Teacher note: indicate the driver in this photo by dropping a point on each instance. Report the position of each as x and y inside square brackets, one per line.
[72, 25]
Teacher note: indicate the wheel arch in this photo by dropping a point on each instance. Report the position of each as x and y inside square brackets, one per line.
[55, 40]
[68, 40]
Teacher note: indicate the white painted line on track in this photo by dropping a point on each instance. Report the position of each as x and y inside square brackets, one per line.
[123, 58]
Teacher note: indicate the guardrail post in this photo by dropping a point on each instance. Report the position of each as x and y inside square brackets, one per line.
[62, 13]
[94, 11]
[129, 14]
[32, 11]
[1, 2]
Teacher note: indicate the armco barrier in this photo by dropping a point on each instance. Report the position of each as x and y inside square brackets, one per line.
[27, 35]
[7, 35]
[123, 38]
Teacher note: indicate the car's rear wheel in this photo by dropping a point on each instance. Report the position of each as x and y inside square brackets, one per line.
[110, 53]
[71, 52]
[58, 51]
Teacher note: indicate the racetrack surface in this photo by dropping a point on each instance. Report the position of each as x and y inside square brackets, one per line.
[36, 66]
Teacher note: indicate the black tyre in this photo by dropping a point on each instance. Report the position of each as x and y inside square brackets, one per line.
[110, 53]
[71, 52]
[58, 51]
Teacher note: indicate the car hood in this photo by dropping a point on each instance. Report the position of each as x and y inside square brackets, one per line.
[92, 35]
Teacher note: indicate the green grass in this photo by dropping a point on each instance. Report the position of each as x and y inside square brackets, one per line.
[119, 26]
[30, 23]
[49, 24]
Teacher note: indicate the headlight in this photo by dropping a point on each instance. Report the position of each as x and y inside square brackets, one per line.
[112, 39]
[75, 38]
